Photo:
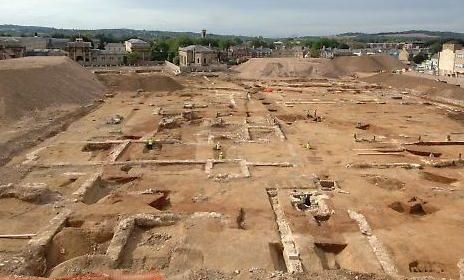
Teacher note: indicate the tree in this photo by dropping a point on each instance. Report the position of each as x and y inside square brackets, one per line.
[419, 58]
[133, 58]
[160, 50]
[237, 41]
[343, 46]
[315, 52]
[225, 43]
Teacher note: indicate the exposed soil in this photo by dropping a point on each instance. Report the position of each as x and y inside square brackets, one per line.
[136, 82]
[229, 181]
[36, 83]
[285, 68]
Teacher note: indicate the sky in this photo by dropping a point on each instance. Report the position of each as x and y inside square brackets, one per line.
[270, 18]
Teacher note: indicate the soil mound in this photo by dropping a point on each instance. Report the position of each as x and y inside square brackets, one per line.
[349, 65]
[36, 83]
[424, 86]
[145, 82]
[273, 68]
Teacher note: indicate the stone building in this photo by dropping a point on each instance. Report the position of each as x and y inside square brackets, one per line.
[80, 51]
[11, 48]
[451, 60]
[196, 55]
[114, 54]
[32, 43]
[405, 56]
[140, 47]
[115, 47]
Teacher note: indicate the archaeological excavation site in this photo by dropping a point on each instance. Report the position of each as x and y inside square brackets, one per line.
[279, 168]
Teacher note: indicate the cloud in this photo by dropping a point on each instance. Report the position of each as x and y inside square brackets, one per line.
[259, 17]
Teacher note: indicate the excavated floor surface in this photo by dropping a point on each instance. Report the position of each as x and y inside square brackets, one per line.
[220, 147]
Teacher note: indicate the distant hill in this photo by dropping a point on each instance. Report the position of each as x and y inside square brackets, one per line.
[124, 34]
[18, 30]
[404, 35]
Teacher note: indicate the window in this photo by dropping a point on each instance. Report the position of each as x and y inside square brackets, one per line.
[198, 60]
[204, 60]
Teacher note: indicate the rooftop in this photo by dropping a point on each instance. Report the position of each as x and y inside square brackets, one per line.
[197, 48]
[136, 41]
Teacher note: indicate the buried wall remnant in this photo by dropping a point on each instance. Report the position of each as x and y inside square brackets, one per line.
[35, 252]
[91, 190]
[461, 269]
[290, 252]
[385, 165]
[125, 228]
[383, 257]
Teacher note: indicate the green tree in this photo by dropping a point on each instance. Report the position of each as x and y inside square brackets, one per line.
[237, 41]
[160, 50]
[133, 58]
[315, 52]
[419, 58]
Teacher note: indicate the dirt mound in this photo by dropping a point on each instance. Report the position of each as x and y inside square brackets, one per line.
[273, 68]
[424, 86]
[145, 82]
[349, 65]
[36, 83]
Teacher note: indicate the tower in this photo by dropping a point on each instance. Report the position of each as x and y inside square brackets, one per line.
[203, 33]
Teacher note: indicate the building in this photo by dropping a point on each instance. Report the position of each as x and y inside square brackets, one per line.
[57, 43]
[459, 63]
[405, 56]
[332, 53]
[429, 66]
[295, 51]
[139, 47]
[261, 52]
[451, 60]
[116, 48]
[80, 51]
[46, 52]
[11, 48]
[279, 45]
[114, 54]
[196, 55]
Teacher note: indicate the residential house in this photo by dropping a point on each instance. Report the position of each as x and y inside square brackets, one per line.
[196, 55]
[140, 47]
[116, 48]
[114, 54]
[429, 66]
[334, 52]
[451, 60]
[240, 53]
[405, 56]
[295, 51]
[260, 52]
[279, 45]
